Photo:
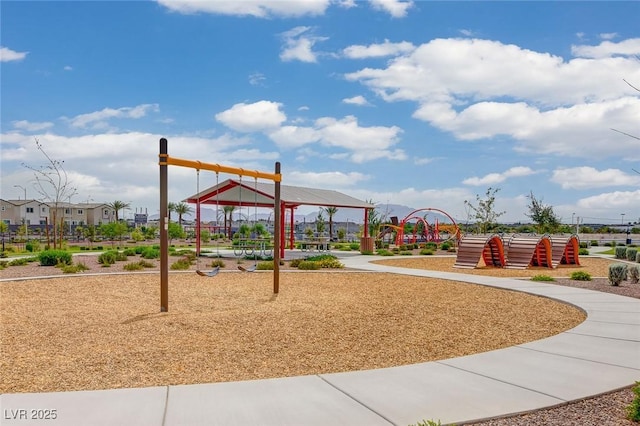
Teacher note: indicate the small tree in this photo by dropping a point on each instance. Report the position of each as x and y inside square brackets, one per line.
[117, 206]
[331, 211]
[484, 211]
[53, 185]
[175, 231]
[543, 216]
[182, 209]
[113, 230]
[320, 223]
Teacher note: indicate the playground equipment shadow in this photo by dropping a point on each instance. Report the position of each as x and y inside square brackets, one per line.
[599, 355]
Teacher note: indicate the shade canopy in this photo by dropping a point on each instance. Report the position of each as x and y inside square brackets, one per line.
[232, 192]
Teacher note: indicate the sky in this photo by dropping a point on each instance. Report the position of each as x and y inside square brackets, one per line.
[414, 103]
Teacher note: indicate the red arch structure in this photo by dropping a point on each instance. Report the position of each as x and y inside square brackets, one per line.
[529, 250]
[565, 250]
[432, 233]
[473, 248]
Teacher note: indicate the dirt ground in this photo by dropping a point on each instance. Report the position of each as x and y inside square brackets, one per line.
[105, 331]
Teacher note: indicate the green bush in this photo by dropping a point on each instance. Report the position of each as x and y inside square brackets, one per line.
[32, 246]
[542, 278]
[426, 252]
[638, 257]
[132, 266]
[617, 273]
[264, 266]
[631, 253]
[73, 269]
[330, 263]
[354, 246]
[583, 252]
[634, 274]
[406, 253]
[594, 243]
[54, 257]
[633, 409]
[384, 252]
[181, 264]
[19, 262]
[130, 252]
[150, 253]
[580, 276]
[108, 258]
[445, 246]
[217, 262]
[621, 252]
[308, 265]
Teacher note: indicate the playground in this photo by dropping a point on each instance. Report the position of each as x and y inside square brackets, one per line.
[105, 331]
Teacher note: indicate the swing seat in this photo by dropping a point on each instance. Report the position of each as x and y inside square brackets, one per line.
[249, 269]
[211, 273]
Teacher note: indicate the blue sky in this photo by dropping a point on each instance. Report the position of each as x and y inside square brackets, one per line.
[423, 104]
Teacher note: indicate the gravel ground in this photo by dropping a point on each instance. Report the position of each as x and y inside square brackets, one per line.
[77, 340]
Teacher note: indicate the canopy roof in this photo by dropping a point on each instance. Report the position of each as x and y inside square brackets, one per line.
[232, 192]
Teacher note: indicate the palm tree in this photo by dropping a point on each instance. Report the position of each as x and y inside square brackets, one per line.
[182, 209]
[227, 225]
[171, 207]
[331, 211]
[117, 206]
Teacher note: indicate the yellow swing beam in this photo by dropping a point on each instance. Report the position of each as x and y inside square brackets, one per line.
[164, 161]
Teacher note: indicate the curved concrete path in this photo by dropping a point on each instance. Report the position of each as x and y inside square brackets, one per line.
[599, 355]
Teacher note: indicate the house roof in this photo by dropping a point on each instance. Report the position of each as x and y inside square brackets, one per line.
[261, 194]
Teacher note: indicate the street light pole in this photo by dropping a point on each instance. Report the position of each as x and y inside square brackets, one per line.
[622, 220]
[26, 228]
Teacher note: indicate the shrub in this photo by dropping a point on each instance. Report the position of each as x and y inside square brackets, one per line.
[542, 278]
[217, 262]
[139, 249]
[385, 252]
[580, 276]
[330, 263]
[426, 252]
[73, 269]
[150, 253]
[133, 266]
[366, 252]
[294, 263]
[121, 256]
[638, 257]
[633, 409]
[445, 246]
[54, 257]
[406, 253]
[108, 258]
[617, 273]
[19, 262]
[308, 265]
[621, 252]
[631, 253]
[264, 266]
[130, 252]
[32, 246]
[181, 264]
[583, 252]
[594, 243]
[634, 274]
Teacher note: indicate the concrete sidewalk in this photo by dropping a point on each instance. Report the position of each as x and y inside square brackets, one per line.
[599, 355]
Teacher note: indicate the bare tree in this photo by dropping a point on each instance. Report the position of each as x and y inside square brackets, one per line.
[53, 185]
[484, 211]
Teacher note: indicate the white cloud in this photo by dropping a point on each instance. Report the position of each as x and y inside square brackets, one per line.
[466, 33]
[467, 87]
[31, 126]
[68, 68]
[255, 8]
[378, 50]
[608, 36]
[294, 136]
[422, 161]
[613, 202]
[589, 177]
[258, 116]
[356, 100]
[607, 49]
[493, 178]
[395, 8]
[99, 119]
[298, 45]
[325, 179]
[257, 79]
[7, 55]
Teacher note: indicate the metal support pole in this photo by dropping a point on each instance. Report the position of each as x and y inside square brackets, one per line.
[164, 229]
[278, 231]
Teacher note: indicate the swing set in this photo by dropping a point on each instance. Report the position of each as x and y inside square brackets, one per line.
[164, 161]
